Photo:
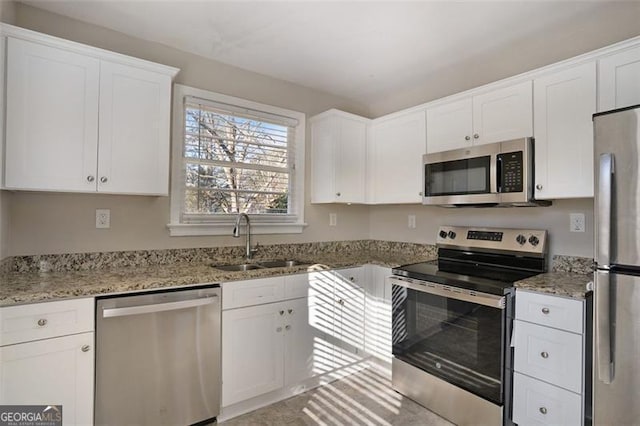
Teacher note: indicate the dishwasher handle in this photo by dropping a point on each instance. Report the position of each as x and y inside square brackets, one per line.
[157, 307]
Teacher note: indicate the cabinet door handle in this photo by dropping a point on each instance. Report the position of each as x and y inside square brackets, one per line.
[538, 187]
[279, 329]
[420, 193]
[545, 311]
[103, 179]
[543, 410]
[467, 138]
[544, 355]
[337, 194]
[290, 311]
[85, 348]
[90, 178]
[281, 312]
[42, 322]
[287, 327]
[476, 136]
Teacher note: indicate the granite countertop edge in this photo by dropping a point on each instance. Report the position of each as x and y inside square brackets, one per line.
[567, 284]
[17, 288]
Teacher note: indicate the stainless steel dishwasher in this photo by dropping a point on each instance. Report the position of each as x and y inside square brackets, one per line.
[158, 358]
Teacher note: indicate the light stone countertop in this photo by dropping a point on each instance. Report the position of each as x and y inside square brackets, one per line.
[29, 287]
[566, 284]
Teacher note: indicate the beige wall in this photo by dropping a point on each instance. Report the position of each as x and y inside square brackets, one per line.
[60, 223]
[614, 21]
[390, 223]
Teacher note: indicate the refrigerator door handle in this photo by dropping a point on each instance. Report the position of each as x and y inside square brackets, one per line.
[605, 190]
[604, 327]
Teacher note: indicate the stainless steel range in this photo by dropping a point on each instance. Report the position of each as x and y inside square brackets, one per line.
[451, 322]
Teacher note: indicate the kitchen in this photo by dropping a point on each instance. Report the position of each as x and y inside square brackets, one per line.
[52, 223]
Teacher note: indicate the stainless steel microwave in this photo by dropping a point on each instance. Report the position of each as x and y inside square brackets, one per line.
[496, 174]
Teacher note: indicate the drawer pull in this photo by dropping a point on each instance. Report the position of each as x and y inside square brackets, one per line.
[545, 311]
[86, 348]
[290, 311]
[544, 355]
[543, 410]
[281, 312]
[42, 322]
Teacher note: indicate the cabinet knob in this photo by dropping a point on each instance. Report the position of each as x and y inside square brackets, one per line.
[420, 193]
[543, 410]
[279, 329]
[290, 311]
[287, 327]
[352, 279]
[337, 194]
[90, 178]
[86, 348]
[476, 136]
[281, 312]
[42, 322]
[340, 301]
[545, 311]
[103, 179]
[544, 355]
[538, 187]
[467, 138]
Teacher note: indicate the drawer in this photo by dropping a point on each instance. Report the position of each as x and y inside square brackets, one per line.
[552, 311]
[252, 292]
[348, 283]
[37, 321]
[296, 286]
[551, 355]
[539, 403]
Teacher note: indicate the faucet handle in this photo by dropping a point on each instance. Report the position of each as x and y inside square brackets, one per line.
[255, 248]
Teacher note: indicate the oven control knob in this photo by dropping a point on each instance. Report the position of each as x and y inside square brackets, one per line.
[521, 239]
[452, 235]
[533, 240]
[443, 234]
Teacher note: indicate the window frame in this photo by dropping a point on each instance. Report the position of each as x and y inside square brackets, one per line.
[267, 224]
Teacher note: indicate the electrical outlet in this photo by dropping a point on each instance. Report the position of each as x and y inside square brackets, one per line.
[576, 222]
[103, 218]
[333, 219]
[412, 221]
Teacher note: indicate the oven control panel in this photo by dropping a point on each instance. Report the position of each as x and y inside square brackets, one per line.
[530, 241]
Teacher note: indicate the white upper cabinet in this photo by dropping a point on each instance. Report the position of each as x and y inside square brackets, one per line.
[135, 109]
[395, 150]
[81, 119]
[449, 126]
[619, 79]
[338, 164]
[503, 114]
[564, 102]
[494, 116]
[52, 118]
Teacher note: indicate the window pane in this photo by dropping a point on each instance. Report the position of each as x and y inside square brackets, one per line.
[220, 201]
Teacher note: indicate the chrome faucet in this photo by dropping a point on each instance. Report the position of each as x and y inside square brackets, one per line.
[236, 233]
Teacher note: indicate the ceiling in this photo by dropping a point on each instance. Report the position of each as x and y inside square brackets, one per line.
[361, 50]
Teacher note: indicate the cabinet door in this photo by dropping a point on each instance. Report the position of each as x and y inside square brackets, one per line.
[395, 159]
[252, 352]
[377, 329]
[51, 118]
[134, 130]
[563, 105]
[503, 114]
[351, 160]
[349, 315]
[51, 371]
[449, 126]
[323, 166]
[619, 80]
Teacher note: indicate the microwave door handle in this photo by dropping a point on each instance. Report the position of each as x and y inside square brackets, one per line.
[499, 173]
[494, 183]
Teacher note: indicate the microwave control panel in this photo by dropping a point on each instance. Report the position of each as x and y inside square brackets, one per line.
[511, 172]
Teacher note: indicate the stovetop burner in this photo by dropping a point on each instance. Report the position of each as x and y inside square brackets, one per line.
[482, 259]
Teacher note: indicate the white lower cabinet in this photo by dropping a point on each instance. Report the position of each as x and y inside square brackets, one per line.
[539, 403]
[549, 360]
[47, 357]
[377, 331]
[314, 328]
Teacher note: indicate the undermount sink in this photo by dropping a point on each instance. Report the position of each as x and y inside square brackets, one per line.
[259, 265]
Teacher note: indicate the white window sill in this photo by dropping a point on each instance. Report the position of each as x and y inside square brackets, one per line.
[195, 229]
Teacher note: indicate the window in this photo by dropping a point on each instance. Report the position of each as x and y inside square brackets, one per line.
[234, 156]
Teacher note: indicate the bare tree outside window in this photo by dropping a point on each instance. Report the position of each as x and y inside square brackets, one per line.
[235, 164]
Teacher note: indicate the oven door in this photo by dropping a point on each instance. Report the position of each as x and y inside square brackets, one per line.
[455, 336]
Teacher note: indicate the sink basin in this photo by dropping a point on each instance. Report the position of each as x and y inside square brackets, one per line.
[280, 263]
[240, 267]
[259, 265]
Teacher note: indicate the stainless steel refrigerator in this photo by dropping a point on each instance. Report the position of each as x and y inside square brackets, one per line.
[616, 368]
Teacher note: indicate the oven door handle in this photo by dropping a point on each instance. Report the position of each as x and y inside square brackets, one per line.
[491, 300]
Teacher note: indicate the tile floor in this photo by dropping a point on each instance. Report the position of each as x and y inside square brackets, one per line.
[363, 398]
